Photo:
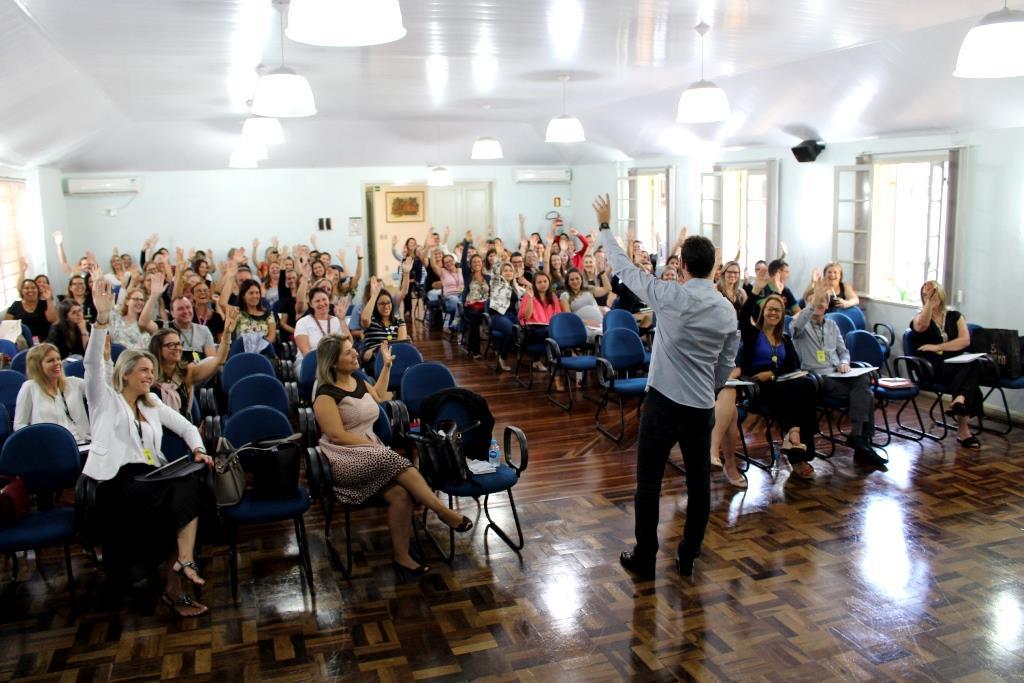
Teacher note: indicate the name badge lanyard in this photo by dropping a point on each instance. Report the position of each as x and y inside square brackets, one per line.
[820, 342]
[321, 328]
[146, 451]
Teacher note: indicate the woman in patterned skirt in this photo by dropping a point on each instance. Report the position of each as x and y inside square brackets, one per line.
[362, 466]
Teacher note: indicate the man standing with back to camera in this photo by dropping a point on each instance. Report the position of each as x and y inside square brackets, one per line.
[695, 345]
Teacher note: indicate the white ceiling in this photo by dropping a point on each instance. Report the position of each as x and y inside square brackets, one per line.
[106, 85]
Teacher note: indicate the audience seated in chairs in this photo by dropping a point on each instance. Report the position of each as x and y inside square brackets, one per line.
[936, 335]
[452, 284]
[729, 285]
[477, 292]
[535, 312]
[49, 396]
[176, 376]
[767, 353]
[34, 309]
[380, 324]
[503, 308]
[127, 428]
[840, 294]
[822, 350]
[71, 333]
[310, 329]
[253, 318]
[774, 282]
[346, 408]
[579, 299]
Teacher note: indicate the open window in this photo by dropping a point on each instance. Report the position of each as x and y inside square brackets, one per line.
[645, 204]
[11, 192]
[739, 210]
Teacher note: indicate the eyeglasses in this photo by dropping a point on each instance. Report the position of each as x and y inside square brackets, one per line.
[136, 298]
[173, 345]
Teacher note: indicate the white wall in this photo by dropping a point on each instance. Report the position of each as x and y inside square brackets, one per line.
[220, 209]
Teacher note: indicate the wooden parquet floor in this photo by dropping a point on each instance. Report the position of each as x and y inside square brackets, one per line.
[910, 575]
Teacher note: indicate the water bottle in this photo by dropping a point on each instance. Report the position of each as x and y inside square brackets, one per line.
[494, 453]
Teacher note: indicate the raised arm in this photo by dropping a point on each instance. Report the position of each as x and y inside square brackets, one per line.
[641, 283]
[58, 239]
[207, 368]
[145, 321]
[95, 373]
[366, 315]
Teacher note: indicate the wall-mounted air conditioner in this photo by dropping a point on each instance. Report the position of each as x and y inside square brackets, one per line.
[542, 175]
[103, 185]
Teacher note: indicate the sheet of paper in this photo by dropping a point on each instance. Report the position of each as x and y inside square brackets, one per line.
[964, 358]
[854, 372]
[738, 383]
[791, 375]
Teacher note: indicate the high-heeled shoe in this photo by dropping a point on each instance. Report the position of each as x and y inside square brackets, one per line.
[739, 482]
[684, 564]
[465, 525]
[417, 572]
[179, 568]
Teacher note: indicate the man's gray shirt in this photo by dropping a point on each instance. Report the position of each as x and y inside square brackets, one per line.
[696, 339]
[810, 337]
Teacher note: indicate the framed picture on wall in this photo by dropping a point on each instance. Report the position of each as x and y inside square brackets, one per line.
[404, 207]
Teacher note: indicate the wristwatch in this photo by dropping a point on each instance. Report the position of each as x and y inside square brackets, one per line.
[605, 226]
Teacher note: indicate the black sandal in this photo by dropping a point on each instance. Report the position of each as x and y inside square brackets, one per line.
[184, 600]
[463, 526]
[179, 568]
[957, 410]
[970, 442]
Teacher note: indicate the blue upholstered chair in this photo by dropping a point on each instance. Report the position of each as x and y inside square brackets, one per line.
[20, 361]
[46, 458]
[10, 385]
[567, 333]
[420, 381]
[246, 426]
[405, 356]
[622, 355]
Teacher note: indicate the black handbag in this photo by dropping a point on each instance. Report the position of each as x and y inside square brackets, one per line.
[274, 464]
[442, 460]
[1003, 346]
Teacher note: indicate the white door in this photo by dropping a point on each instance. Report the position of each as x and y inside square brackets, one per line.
[462, 207]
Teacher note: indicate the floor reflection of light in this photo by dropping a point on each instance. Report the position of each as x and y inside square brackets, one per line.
[1008, 620]
[562, 597]
[886, 563]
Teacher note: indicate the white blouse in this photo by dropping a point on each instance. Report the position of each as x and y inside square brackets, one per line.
[118, 437]
[66, 409]
[315, 330]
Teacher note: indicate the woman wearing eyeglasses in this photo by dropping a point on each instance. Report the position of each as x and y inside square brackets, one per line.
[49, 396]
[126, 326]
[729, 284]
[175, 379]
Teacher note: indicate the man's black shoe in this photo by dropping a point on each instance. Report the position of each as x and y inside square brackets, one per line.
[867, 455]
[639, 565]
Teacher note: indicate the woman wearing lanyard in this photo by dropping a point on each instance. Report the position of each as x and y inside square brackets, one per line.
[767, 352]
[310, 329]
[49, 396]
[128, 421]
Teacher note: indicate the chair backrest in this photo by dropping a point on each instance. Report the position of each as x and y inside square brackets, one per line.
[44, 455]
[258, 390]
[255, 423]
[243, 365]
[10, 385]
[6, 425]
[406, 355]
[307, 375]
[8, 348]
[619, 318]
[115, 351]
[906, 342]
[382, 427]
[20, 361]
[856, 315]
[26, 333]
[787, 324]
[74, 368]
[864, 347]
[569, 330]
[973, 327]
[842, 321]
[623, 349]
[421, 381]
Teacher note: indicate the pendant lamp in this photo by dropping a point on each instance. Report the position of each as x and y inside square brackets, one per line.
[282, 93]
[994, 48]
[703, 101]
[263, 129]
[564, 128]
[439, 176]
[345, 23]
[487, 148]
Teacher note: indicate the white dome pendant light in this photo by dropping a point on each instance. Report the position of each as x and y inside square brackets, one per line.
[564, 128]
[345, 23]
[486, 148]
[264, 130]
[439, 176]
[703, 101]
[994, 48]
[282, 93]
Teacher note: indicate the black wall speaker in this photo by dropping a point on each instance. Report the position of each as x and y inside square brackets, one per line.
[808, 150]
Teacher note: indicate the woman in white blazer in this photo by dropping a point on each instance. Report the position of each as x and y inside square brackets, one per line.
[50, 396]
[127, 428]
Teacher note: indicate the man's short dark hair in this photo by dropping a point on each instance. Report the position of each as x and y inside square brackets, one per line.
[698, 255]
[514, 254]
[775, 266]
[760, 262]
[244, 267]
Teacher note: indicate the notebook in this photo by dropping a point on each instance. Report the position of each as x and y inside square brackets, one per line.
[182, 467]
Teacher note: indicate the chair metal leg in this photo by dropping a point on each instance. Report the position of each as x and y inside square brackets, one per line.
[568, 387]
[233, 561]
[67, 568]
[772, 466]
[498, 530]
[307, 565]
[450, 555]
[617, 438]
[916, 434]
[1006, 412]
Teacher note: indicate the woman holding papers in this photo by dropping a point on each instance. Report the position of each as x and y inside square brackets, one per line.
[766, 357]
[128, 421]
[938, 334]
